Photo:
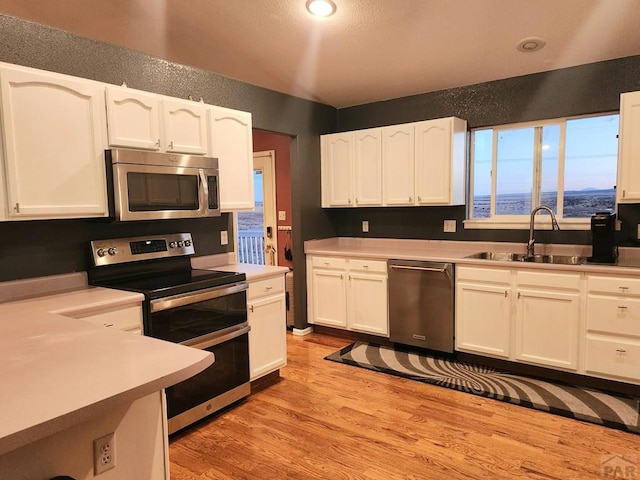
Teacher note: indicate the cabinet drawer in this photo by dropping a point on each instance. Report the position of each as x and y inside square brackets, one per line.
[368, 265]
[568, 281]
[329, 262]
[128, 318]
[614, 285]
[616, 315]
[266, 286]
[490, 275]
[613, 357]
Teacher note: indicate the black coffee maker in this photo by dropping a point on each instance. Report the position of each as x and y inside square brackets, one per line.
[603, 238]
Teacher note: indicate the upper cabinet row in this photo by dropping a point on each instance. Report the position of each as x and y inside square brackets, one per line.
[55, 129]
[420, 163]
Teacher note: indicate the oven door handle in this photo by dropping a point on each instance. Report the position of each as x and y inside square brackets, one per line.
[214, 339]
[198, 296]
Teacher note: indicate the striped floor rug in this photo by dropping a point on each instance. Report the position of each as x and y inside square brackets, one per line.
[611, 410]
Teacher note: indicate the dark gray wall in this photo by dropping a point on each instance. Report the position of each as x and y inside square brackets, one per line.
[36, 248]
[593, 88]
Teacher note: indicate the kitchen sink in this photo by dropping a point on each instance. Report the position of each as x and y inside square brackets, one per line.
[522, 257]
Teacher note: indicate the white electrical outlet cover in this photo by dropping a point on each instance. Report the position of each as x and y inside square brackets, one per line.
[282, 214]
[104, 453]
[224, 237]
[365, 226]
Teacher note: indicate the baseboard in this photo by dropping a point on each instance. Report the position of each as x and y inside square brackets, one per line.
[263, 382]
[298, 332]
[350, 335]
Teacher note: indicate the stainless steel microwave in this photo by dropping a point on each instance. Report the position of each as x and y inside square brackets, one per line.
[151, 186]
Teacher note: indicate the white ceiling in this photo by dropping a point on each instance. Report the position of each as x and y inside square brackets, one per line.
[369, 50]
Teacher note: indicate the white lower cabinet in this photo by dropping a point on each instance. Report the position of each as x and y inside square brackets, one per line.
[524, 316]
[612, 345]
[267, 312]
[348, 293]
[483, 313]
[547, 318]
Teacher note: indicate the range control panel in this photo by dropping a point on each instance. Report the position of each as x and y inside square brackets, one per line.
[121, 250]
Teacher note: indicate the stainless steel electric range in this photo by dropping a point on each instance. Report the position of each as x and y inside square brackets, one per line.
[199, 308]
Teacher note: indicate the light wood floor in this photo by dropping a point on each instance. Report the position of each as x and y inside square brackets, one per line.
[332, 421]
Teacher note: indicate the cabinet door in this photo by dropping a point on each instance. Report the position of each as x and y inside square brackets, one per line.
[232, 145]
[628, 188]
[268, 335]
[433, 161]
[329, 297]
[546, 327]
[367, 171]
[184, 126]
[54, 145]
[398, 154]
[336, 160]
[133, 118]
[368, 307]
[483, 318]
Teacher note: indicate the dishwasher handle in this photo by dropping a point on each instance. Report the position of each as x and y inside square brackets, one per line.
[425, 269]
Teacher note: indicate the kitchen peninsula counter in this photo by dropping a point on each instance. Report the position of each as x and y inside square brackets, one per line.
[58, 371]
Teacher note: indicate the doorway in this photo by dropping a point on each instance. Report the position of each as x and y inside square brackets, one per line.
[257, 230]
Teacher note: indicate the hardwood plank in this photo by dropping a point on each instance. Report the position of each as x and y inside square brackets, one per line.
[328, 420]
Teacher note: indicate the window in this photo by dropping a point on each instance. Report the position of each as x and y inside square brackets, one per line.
[567, 164]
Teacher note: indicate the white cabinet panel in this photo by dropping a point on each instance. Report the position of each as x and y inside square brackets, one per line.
[628, 187]
[483, 318]
[232, 144]
[54, 145]
[133, 118]
[546, 327]
[613, 357]
[184, 126]
[368, 305]
[329, 297]
[398, 153]
[367, 167]
[337, 160]
[268, 335]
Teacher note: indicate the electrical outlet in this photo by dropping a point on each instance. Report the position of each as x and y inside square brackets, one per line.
[104, 453]
[282, 214]
[639, 231]
[449, 226]
[224, 237]
[365, 226]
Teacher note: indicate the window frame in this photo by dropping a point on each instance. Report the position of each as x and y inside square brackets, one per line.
[522, 221]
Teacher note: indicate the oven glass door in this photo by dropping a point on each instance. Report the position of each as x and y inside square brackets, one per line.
[183, 318]
[229, 371]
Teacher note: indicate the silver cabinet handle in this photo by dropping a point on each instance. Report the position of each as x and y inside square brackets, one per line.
[621, 350]
[410, 199]
[268, 288]
[171, 145]
[158, 143]
[624, 289]
[424, 269]
[506, 293]
[622, 307]
[251, 308]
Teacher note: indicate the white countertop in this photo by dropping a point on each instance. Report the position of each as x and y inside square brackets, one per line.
[457, 251]
[58, 371]
[226, 264]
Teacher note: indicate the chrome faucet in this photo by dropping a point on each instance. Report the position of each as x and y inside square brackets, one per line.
[554, 226]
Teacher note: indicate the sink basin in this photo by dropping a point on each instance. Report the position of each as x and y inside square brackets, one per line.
[521, 257]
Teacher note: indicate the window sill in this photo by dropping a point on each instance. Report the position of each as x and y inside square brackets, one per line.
[512, 224]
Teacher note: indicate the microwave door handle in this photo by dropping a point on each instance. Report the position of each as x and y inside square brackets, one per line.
[204, 193]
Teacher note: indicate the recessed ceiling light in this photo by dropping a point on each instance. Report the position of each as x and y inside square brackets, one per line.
[531, 44]
[321, 8]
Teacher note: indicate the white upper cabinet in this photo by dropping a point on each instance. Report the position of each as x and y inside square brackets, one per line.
[367, 167]
[421, 163]
[398, 156]
[337, 164]
[133, 118]
[232, 144]
[628, 187]
[440, 161]
[184, 126]
[352, 168]
[54, 141]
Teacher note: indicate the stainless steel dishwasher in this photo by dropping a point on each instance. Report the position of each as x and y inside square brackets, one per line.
[421, 304]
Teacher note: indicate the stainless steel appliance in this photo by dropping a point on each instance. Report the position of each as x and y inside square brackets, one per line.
[421, 304]
[199, 308]
[603, 238]
[151, 186]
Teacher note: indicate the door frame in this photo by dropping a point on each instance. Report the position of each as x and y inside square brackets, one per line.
[266, 161]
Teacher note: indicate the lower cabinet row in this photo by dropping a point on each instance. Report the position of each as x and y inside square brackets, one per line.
[584, 323]
[567, 320]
